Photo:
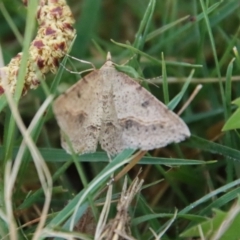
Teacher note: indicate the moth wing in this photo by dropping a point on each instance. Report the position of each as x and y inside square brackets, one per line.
[79, 112]
[145, 122]
[111, 134]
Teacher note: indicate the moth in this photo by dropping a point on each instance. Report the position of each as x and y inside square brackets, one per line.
[109, 107]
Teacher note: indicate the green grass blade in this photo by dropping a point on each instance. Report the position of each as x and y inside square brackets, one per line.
[205, 145]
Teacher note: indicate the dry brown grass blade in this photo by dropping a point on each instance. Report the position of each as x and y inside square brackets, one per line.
[128, 167]
[119, 227]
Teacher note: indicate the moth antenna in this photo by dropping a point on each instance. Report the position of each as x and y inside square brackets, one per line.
[192, 96]
[80, 60]
[75, 72]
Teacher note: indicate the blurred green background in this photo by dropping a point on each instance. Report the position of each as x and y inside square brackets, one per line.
[181, 41]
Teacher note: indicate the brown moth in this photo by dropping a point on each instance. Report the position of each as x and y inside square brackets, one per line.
[109, 107]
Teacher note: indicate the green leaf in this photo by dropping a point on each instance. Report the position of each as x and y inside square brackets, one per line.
[148, 217]
[236, 102]
[155, 60]
[233, 122]
[144, 25]
[3, 102]
[174, 102]
[59, 155]
[130, 71]
[211, 226]
[208, 146]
